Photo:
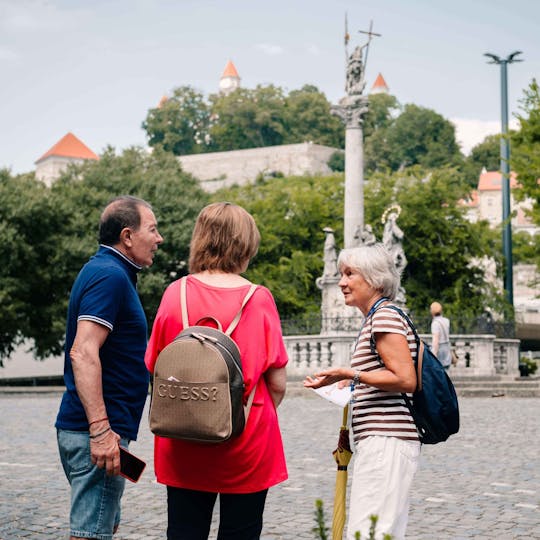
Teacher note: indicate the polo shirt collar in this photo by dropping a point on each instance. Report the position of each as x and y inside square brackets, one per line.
[134, 266]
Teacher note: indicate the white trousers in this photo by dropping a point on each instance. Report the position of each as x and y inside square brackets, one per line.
[383, 472]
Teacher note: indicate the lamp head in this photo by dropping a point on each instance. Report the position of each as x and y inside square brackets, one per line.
[512, 57]
[494, 58]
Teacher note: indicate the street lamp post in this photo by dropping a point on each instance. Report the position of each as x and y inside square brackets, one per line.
[505, 172]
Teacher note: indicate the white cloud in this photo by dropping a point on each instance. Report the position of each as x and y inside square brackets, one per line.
[32, 15]
[470, 132]
[269, 49]
[8, 55]
[313, 49]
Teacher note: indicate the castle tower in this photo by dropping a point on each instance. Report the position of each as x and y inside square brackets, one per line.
[379, 86]
[230, 80]
[69, 149]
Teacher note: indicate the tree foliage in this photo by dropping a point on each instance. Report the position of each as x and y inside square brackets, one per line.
[29, 284]
[485, 154]
[525, 155]
[179, 124]
[382, 110]
[418, 136]
[187, 123]
[440, 243]
[308, 118]
[291, 213]
[49, 233]
[248, 118]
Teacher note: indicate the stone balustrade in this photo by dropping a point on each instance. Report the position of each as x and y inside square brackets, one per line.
[478, 355]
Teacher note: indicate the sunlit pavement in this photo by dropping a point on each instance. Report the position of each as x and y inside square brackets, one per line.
[483, 483]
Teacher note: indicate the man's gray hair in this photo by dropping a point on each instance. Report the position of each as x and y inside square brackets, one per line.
[375, 264]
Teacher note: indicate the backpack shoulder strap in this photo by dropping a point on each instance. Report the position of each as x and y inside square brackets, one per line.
[419, 348]
[236, 319]
[183, 303]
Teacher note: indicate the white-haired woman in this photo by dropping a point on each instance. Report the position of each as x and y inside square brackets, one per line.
[387, 447]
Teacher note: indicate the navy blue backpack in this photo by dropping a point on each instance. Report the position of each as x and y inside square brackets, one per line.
[434, 406]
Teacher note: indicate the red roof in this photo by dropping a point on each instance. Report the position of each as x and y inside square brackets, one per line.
[69, 146]
[492, 181]
[379, 83]
[230, 70]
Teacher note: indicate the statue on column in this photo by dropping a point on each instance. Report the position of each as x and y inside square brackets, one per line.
[330, 254]
[365, 236]
[354, 84]
[393, 240]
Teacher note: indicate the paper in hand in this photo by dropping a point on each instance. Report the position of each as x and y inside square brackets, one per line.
[339, 396]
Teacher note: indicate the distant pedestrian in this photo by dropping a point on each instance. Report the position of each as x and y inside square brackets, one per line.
[104, 373]
[440, 335]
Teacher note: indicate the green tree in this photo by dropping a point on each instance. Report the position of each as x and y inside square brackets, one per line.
[440, 244]
[248, 118]
[308, 118]
[485, 154]
[525, 154]
[291, 213]
[418, 136]
[47, 234]
[382, 111]
[180, 124]
[29, 282]
[526, 248]
[157, 178]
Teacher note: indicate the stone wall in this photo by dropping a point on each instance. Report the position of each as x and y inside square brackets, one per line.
[223, 169]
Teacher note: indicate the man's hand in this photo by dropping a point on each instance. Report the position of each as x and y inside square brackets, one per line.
[105, 451]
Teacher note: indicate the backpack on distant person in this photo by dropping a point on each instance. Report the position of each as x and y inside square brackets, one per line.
[198, 384]
[434, 405]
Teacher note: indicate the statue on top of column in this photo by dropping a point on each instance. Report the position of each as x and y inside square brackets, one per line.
[354, 84]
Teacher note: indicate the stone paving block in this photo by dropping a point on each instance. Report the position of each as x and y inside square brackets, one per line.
[485, 457]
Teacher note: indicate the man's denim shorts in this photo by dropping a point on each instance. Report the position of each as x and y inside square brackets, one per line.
[95, 497]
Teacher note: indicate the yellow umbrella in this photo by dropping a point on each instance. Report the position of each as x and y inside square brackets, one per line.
[342, 454]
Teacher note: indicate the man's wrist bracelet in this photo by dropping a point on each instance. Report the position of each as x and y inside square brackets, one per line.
[100, 433]
[96, 421]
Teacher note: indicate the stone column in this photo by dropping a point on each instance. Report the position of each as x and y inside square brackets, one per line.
[353, 219]
[351, 110]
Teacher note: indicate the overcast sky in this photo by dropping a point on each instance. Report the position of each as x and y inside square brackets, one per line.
[95, 67]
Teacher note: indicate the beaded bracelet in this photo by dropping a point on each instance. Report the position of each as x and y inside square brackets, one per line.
[100, 420]
[100, 433]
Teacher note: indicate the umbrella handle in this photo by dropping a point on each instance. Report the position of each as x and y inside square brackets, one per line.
[345, 416]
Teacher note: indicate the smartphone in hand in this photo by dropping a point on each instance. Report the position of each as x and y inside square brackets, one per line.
[131, 467]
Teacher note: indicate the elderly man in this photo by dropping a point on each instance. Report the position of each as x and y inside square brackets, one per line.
[104, 372]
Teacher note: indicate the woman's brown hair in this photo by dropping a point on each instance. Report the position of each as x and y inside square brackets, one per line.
[225, 238]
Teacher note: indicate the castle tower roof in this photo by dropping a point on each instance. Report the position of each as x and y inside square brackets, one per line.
[71, 147]
[379, 86]
[230, 71]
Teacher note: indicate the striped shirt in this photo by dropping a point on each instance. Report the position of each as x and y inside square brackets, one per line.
[375, 411]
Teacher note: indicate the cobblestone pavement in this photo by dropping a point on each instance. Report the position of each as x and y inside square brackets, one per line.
[483, 483]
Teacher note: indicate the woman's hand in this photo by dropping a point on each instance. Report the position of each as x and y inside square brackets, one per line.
[329, 376]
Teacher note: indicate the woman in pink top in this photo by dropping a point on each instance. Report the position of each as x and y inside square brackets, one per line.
[241, 470]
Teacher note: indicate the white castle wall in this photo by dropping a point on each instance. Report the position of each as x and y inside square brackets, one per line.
[223, 169]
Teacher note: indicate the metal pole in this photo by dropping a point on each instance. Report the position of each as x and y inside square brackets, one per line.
[505, 172]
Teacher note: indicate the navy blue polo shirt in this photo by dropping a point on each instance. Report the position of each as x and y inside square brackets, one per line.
[105, 293]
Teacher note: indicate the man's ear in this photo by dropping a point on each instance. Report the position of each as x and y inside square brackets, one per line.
[125, 236]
